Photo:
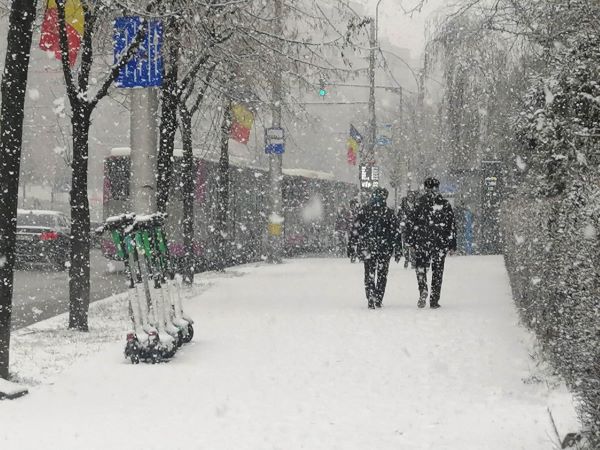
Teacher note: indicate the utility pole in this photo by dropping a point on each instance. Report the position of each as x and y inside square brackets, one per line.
[399, 160]
[367, 152]
[143, 143]
[275, 226]
[372, 135]
[420, 120]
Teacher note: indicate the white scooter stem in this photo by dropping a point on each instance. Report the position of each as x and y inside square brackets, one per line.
[140, 301]
[156, 314]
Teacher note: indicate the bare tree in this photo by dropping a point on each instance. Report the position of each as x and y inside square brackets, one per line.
[238, 38]
[83, 103]
[14, 83]
[207, 29]
[188, 168]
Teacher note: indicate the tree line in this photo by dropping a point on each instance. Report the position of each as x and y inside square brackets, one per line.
[522, 86]
[214, 52]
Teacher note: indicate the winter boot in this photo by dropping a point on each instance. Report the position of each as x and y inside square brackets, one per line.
[435, 305]
[378, 304]
[371, 304]
[422, 300]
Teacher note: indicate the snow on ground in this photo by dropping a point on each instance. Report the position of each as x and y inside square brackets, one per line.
[289, 357]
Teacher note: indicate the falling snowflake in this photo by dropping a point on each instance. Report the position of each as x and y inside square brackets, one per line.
[589, 232]
[34, 94]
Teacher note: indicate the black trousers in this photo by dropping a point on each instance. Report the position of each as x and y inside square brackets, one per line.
[423, 259]
[376, 270]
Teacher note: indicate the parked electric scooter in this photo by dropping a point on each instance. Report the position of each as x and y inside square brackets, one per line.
[141, 231]
[173, 285]
[143, 342]
[159, 323]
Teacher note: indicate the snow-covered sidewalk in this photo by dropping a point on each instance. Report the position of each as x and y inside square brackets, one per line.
[289, 357]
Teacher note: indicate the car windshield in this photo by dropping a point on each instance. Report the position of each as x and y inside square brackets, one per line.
[36, 220]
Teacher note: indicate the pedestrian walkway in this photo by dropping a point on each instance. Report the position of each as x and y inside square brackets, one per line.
[289, 357]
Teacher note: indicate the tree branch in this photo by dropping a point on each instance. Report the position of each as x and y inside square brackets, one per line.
[72, 91]
[87, 54]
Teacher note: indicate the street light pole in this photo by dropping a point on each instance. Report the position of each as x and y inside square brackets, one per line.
[369, 159]
[377, 22]
[143, 144]
[275, 219]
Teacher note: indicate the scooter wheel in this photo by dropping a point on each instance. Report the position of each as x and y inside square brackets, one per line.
[179, 338]
[155, 357]
[190, 333]
[135, 359]
[168, 354]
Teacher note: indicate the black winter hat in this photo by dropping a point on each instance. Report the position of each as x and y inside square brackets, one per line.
[431, 183]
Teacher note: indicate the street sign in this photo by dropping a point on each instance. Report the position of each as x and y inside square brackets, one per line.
[383, 141]
[369, 176]
[274, 141]
[384, 132]
[145, 68]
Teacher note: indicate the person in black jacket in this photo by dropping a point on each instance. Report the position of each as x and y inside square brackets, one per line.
[407, 204]
[431, 232]
[375, 237]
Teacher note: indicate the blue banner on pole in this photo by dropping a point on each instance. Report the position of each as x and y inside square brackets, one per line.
[145, 68]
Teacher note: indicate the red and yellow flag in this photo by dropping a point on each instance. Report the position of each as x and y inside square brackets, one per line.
[242, 122]
[75, 22]
[354, 141]
[352, 151]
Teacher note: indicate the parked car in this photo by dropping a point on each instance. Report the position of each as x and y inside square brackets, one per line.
[43, 237]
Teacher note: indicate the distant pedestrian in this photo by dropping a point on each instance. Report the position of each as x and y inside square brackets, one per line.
[343, 224]
[353, 212]
[431, 232]
[374, 239]
[352, 215]
[407, 205]
[464, 228]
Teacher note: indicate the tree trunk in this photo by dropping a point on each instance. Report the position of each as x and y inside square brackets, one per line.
[168, 127]
[79, 272]
[168, 121]
[188, 196]
[14, 83]
[223, 191]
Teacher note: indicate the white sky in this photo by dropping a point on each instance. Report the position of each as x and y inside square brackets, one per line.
[401, 30]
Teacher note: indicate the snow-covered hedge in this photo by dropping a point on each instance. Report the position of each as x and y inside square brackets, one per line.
[553, 255]
[552, 222]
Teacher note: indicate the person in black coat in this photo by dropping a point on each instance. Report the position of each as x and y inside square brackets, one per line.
[407, 204]
[374, 239]
[431, 232]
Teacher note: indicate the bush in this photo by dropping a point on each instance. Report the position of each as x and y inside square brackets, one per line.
[552, 224]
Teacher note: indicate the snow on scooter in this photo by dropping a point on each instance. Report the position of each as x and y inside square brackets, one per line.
[143, 342]
[170, 282]
[159, 324]
[169, 336]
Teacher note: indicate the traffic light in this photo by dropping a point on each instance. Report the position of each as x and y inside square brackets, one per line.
[322, 90]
